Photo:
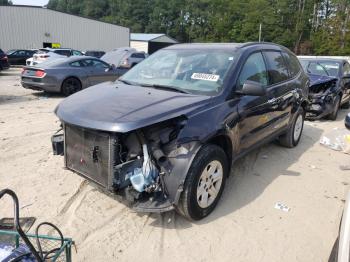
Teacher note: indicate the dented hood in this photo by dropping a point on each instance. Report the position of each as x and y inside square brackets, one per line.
[114, 106]
[318, 79]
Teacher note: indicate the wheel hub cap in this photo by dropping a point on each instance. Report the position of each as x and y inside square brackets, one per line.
[298, 127]
[209, 184]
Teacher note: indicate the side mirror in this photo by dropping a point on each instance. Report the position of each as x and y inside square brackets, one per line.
[251, 88]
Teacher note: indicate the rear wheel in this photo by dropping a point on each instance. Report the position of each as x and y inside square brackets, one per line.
[293, 135]
[204, 183]
[334, 114]
[70, 86]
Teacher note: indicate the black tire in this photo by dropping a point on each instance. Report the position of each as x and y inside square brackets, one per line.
[70, 86]
[333, 116]
[188, 204]
[346, 105]
[288, 140]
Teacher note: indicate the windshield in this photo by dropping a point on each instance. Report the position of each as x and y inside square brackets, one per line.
[330, 68]
[194, 71]
[10, 52]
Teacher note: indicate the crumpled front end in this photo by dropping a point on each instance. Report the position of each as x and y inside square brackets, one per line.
[146, 166]
[322, 97]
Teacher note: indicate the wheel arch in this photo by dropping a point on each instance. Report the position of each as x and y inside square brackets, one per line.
[224, 142]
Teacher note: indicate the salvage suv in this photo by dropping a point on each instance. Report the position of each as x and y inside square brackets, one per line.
[166, 134]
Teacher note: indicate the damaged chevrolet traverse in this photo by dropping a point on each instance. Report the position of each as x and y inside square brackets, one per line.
[166, 134]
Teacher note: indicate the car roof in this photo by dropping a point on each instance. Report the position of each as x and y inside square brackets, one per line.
[232, 46]
[339, 60]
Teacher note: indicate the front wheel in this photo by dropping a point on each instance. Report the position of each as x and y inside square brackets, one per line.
[333, 116]
[293, 135]
[204, 183]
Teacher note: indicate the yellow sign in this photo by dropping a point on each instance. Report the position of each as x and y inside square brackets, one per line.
[56, 45]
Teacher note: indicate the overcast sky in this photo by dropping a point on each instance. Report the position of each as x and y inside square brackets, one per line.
[30, 2]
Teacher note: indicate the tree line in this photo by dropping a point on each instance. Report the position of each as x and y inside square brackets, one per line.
[320, 27]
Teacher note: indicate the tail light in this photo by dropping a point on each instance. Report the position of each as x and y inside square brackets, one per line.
[44, 56]
[4, 58]
[40, 73]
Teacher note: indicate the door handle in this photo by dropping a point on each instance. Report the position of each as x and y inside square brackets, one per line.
[272, 101]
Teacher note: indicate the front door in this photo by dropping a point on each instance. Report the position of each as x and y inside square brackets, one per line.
[99, 72]
[254, 111]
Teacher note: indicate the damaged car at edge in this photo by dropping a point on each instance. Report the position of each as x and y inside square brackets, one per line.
[166, 134]
[329, 86]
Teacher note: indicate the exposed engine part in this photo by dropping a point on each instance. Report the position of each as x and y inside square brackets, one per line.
[143, 179]
[133, 145]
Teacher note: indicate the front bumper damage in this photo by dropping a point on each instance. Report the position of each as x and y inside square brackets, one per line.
[148, 167]
[320, 106]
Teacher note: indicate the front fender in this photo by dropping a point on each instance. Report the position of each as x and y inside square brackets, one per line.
[180, 158]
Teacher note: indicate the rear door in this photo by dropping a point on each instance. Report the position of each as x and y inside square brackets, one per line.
[254, 111]
[282, 88]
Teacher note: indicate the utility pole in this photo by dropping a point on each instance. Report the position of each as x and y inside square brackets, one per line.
[260, 32]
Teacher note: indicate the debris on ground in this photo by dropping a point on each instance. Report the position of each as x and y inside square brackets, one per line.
[282, 207]
[338, 139]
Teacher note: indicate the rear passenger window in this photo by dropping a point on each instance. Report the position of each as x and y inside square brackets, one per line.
[77, 64]
[292, 64]
[138, 55]
[63, 52]
[254, 69]
[277, 69]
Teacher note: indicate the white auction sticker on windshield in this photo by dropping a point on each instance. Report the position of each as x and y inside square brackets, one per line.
[207, 77]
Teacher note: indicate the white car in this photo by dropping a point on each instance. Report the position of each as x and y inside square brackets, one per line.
[50, 54]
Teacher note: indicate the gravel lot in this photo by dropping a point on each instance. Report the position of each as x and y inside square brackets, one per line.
[244, 227]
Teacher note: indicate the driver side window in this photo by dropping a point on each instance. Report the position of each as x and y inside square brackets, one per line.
[254, 69]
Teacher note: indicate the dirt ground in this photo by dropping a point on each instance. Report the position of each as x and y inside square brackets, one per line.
[245, 226]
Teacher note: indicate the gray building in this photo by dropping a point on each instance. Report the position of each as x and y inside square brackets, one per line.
[150, 43]
[36, 27]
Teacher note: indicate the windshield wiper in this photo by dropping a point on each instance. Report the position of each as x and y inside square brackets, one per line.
[125, 82]
[165, 87]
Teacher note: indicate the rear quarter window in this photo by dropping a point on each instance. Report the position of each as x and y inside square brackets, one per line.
[277, 69]
[292, 64]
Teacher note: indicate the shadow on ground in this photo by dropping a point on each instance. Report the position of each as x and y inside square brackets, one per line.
[245, 183]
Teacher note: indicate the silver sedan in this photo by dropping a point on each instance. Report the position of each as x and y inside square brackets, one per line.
[68, 75]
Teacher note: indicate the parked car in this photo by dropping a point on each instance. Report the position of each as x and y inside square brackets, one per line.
[124, 58]
[326, 98]
[347, 121]
[46, 54]
[166, 134]
[19, 56]
[67, 75]
[4, 63]
[95, 53]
